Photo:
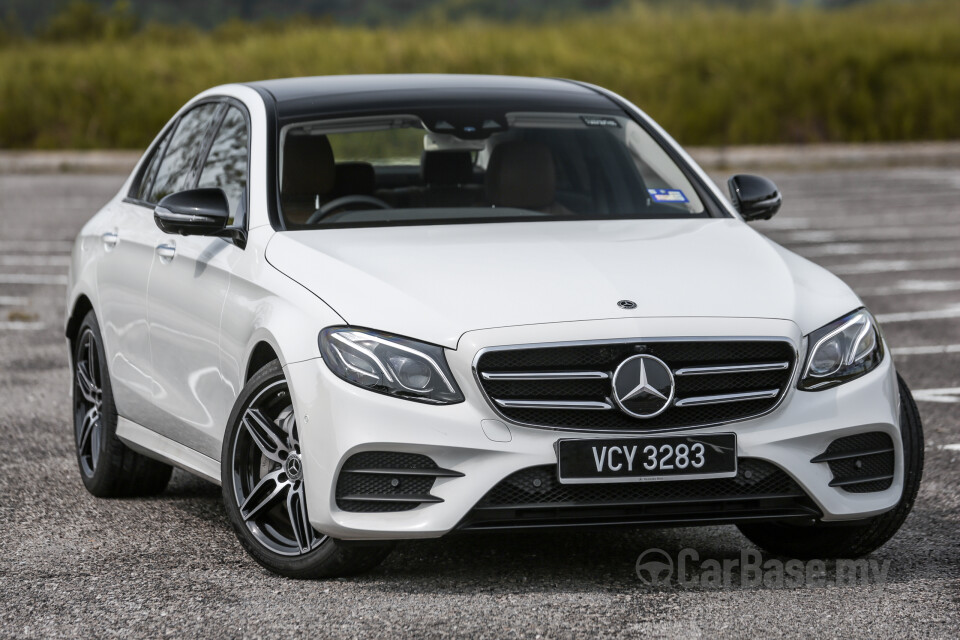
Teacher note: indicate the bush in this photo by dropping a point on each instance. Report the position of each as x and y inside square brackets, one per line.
[867, 73]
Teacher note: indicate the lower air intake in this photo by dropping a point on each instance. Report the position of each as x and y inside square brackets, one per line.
[862, 463]
[533, 497]
[383, 481]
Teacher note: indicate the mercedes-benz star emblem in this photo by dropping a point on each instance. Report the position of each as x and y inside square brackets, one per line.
[627, 304]
[643, 386]
[293, 467]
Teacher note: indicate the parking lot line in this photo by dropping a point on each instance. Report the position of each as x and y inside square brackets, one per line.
[886, 266]
[839, 249]
[21, 326]
[911, 286]
[949, 395]
[37, 246]
[905, 234]
[35, 260]
[13, 301]
[932, 349]
[32, 278]
[909, 316]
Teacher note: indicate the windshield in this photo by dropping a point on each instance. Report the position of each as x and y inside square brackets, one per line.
[497, 168]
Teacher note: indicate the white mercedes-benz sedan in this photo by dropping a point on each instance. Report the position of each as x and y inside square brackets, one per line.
[376, 308]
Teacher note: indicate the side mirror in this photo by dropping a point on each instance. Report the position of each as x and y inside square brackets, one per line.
[195, 212]
[755, 197]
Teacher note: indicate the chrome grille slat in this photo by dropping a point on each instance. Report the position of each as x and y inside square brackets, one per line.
[554, 404]
[735, 368]
[547, 375]
[727, 397]
[570, 385]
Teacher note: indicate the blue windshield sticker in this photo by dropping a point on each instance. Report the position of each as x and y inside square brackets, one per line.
[667, 195]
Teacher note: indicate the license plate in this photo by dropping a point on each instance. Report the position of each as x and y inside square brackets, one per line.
[647, 459]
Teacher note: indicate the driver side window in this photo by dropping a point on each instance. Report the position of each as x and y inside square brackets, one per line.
[227, 162]
[176, 170]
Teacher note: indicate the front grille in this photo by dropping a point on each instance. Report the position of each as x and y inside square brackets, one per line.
[862, 463]
[382, 481]
[758, 370]
[534, 497]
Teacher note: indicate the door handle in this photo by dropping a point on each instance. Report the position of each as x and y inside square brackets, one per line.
[110, 240]
[166, 252]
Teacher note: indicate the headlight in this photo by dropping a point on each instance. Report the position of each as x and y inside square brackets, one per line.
[841, 351]
[389, 364]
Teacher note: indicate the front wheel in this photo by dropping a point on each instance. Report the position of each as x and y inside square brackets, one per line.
[846, 540]
[264, 493]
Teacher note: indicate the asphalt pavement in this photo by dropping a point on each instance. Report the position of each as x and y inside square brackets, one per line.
[75, 566]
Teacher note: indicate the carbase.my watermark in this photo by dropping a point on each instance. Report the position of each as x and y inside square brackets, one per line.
[658, 568]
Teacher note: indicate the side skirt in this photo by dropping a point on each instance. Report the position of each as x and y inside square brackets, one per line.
[153, 445]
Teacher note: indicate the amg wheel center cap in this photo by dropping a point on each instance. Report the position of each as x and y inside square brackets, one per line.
[293, 467]
[643, 386]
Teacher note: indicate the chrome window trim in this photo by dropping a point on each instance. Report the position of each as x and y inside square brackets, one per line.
[788, 389]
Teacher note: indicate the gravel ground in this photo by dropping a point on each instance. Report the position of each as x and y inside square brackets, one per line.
[75, 566]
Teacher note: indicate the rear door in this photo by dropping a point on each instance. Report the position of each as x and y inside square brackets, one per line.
[188, 286]
[127, 238]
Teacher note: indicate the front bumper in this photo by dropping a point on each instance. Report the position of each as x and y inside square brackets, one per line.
[340, 420]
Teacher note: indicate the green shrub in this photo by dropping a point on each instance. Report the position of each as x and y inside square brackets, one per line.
[867, 73]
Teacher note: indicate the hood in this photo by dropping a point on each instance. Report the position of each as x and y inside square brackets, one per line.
[436, 282]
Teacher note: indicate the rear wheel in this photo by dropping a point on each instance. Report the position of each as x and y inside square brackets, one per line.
[107, 466]
[850, 540]
[264, 493]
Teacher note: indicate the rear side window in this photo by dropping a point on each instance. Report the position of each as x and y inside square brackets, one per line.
[177, 167]
[141, 191]
[226, 164]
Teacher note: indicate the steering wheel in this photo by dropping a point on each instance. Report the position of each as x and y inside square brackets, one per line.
[344, 201]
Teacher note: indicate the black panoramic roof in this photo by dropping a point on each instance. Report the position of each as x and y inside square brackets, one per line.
[339, 96]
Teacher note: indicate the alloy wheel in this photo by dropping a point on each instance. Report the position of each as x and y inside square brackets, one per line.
[268, 474]
[88, 403]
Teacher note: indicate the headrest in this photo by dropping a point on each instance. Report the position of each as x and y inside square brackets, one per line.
[307, 165]
[521, 174]
[446, 168]
[354, 178]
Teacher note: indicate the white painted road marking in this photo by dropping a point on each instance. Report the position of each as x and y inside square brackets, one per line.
[948, 395]
[909, 316]
[911, 286]
[885, 266]
[902, 234]
[37, 246]
[21, 326]
[875, 248]
[932, 349]
[37, 260]
[13, 301]
[32, 278]
[950, 447]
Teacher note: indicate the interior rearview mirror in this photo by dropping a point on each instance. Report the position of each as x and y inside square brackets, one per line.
[195, 212]
[755, 197]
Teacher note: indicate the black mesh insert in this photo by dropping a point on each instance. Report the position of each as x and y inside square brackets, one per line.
[383, 484]
[535, 497]
[866, 466]
[606, 358]
[754, 478]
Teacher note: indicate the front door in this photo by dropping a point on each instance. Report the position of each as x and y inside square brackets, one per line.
[188, 286]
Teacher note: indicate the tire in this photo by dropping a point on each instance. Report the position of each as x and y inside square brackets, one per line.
[108, 468]
[851, 540]
[263, 489]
